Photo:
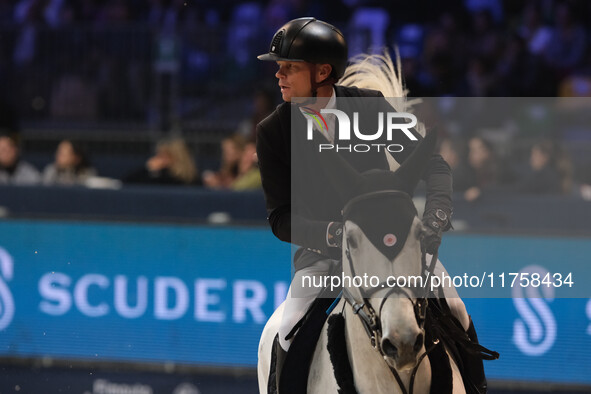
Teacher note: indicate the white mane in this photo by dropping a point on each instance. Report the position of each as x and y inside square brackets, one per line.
[378, 72]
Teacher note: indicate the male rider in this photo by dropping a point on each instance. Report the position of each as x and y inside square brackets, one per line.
[311, 56]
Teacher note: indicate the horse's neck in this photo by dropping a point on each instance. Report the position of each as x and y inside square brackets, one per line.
[370, 371]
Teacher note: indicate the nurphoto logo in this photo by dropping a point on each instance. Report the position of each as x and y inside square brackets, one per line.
[392, 122]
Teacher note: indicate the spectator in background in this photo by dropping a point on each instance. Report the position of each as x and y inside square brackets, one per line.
[29, 69]
[519, 72]
[30, 15]
[73, 97]
[171, 15]
[438, 76]
[483, 167]
[550, 170]
[486, 40]
[480, 79]
[368, 26]
[533, 31]
[492, 7]
[249, 176]
[14, 170]
[566, 48]
[232, 151]
[277, 12]
[172, 164]
[71, 166]
[451, 23]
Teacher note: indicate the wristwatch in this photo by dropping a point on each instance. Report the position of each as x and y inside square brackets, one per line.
[442, 219]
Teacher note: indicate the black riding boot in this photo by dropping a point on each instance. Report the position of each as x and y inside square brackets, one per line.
[277, 360]
[279, 365]
[473, 365]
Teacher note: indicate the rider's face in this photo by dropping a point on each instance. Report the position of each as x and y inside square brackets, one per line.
[294, 79]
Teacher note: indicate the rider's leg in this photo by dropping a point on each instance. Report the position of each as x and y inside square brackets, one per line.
[299, 299]
[279, 358]
[301, 294]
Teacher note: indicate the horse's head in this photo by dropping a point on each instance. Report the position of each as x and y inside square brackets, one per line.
[382, 239]
[382, 243]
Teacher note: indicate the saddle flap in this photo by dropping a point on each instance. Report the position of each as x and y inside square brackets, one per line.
[296, 368]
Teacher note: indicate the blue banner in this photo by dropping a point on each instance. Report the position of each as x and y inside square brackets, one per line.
[138, 292]
[539, 340]
[201, 296]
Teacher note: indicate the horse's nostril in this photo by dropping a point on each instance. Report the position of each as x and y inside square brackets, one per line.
[389, 349]
[418, 343]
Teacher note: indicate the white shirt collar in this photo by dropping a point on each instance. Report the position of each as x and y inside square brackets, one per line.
[330, 119]
[332, 103]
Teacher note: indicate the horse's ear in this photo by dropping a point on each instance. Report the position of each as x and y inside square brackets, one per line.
[407, 176]
[349, 183]
[343, 177]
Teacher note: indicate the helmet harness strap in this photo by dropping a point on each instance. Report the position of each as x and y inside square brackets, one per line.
[330, 80]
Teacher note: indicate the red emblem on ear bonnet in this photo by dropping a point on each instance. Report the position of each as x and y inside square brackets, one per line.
[390, 240]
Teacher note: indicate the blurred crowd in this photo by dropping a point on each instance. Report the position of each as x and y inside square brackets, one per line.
[104, 60]
[103, 54]
[172, 163]
[477, 168]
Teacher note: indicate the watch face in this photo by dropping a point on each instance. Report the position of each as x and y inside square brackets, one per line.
[440, 215]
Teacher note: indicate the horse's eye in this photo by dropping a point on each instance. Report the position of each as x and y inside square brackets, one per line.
[351, 242]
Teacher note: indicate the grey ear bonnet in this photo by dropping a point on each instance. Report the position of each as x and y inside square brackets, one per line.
[384, 217]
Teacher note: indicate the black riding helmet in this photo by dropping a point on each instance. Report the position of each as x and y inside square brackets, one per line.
[309, 40]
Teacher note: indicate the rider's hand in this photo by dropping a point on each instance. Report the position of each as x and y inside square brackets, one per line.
[435, 223]
[334, 234]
